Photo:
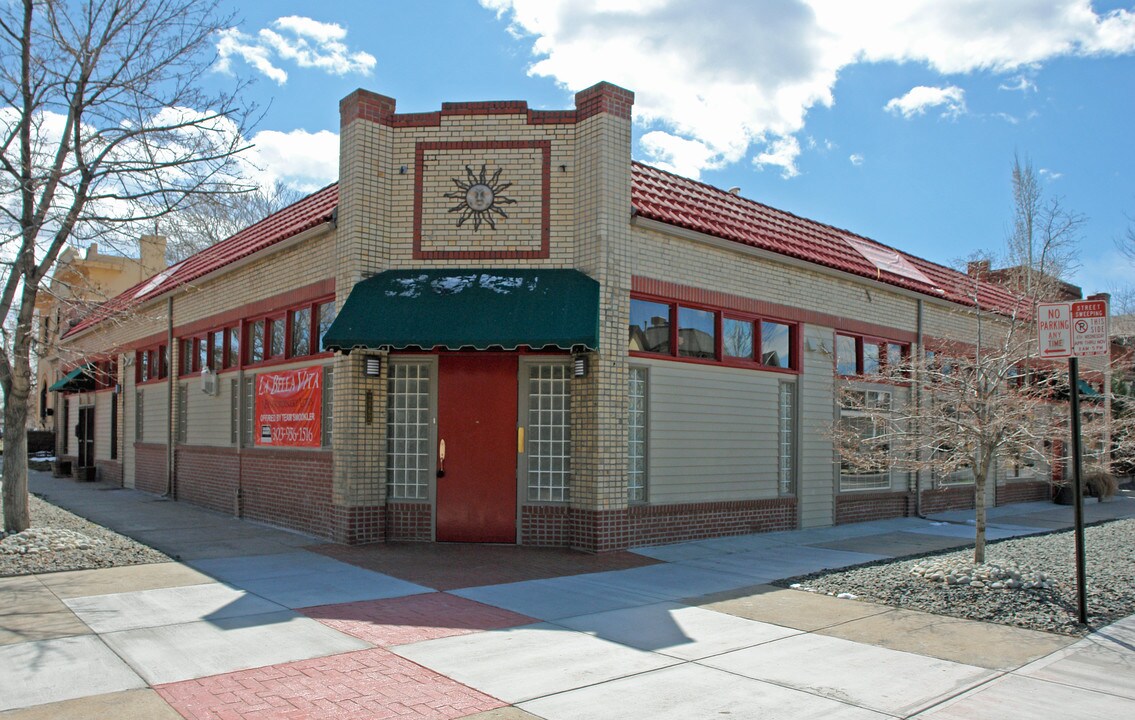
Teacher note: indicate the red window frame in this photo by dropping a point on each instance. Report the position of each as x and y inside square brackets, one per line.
[155, 360]
[720, 315]
[883, 346]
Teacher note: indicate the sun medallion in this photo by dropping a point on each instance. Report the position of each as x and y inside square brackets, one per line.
[480, 198]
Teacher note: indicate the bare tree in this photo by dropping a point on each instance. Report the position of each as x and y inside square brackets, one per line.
[102, 125]
[983, 400]
[208, 219]
[1042, 246]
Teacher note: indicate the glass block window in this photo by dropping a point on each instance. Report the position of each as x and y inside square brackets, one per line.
[328, 404]
[408, 431]
[786, 442]
[247, 409]
[636, 435]
[549, 432]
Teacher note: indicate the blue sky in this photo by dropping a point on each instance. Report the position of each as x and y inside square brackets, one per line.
[896, 119]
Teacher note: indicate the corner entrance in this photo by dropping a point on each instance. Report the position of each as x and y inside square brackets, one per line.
[476, 420]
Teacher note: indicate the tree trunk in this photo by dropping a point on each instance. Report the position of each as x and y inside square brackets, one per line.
[979, 518]
[16, 515]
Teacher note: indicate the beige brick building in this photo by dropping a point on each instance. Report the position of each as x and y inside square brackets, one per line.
[496, 327]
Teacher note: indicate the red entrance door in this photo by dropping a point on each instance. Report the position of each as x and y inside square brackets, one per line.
[476, 418]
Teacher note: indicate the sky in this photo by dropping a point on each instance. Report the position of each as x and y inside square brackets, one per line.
[896, 119]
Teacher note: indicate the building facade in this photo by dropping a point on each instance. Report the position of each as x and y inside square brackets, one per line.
[497, 327]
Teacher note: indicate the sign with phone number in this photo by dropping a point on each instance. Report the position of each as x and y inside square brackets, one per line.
[289, 406]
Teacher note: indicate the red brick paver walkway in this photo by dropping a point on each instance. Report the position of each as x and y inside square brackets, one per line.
[398, 621]
[364, 685]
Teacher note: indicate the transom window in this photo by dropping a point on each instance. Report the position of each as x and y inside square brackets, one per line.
[710, 334]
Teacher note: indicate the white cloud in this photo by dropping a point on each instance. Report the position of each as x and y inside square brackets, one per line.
[733, 76]
[300, 40]
[921, 98]
[1011, 119]
[299, 159]
[856, 159]
[1050, 174]
[1020, 84]
[781, 152]
[677, 154]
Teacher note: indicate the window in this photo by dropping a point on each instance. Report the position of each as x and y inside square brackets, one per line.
[697, 335]
[650, 327]
[549, 432]
[861, 428]
[325, 314]
[408, 445]
[636, 435]
[276, 337]
[300, 322]
[858, 355]
[737, 338]
[786, 438]
[232, 347]
[217, 350]
[776, 344]
[151, 363]
[256, 334]
[202, 359]
[676, 330]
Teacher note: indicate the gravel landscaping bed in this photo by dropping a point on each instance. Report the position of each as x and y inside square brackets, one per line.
[1041, 596]
[59, 540]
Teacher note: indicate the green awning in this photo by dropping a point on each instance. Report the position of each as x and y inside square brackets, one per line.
[80, 379]
[454, 309]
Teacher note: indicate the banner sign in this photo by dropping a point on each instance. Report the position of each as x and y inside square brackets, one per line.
[289, 407]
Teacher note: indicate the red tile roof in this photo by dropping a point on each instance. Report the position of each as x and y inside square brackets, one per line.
[675, 200]
[656, 195]
[313, 210]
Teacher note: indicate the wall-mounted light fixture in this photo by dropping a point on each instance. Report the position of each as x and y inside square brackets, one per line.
[580, 364]
[372, 366]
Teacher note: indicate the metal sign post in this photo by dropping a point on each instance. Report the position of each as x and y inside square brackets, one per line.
[1074, 330]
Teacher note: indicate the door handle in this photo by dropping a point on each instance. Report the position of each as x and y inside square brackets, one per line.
[441, 458]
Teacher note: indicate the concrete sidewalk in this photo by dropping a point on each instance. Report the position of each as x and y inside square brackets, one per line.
[254, 622]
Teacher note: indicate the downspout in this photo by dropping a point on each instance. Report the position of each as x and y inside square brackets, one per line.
[918, 367]
[174, 376]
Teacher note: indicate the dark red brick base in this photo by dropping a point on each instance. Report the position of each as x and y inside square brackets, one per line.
[640, 525]
[1024, 491]
[409, 521]
[959, 497]
[861, 507]
[110, 471]
[357, 525]
[289, 488]
[150, 467]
